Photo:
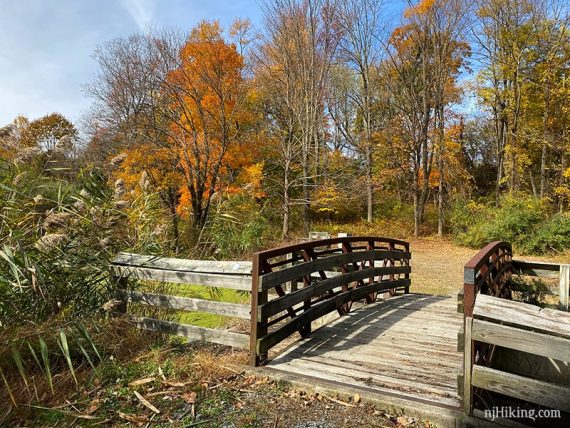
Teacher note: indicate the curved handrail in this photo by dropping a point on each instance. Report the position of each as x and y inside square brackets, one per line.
[493, 259]
[285, 249]
[334, 272]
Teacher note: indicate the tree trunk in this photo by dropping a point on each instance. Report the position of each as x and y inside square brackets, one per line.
[369, 190]
[440, 165]
[286, 202]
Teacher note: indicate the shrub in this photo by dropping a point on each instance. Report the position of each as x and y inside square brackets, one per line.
[552, 235]
[522, 220]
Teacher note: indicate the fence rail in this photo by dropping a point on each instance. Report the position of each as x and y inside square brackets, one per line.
[226, 274]
[521, 327]
[492, 319]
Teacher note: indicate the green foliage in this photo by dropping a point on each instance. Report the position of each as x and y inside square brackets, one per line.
[531, 291]
[238, 228]
[552, 235]
[54, 246]
[522, 220]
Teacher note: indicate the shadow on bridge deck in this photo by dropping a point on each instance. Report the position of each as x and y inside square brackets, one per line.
[404, 347]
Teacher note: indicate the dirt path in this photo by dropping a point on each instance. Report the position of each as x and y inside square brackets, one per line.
[437, 266]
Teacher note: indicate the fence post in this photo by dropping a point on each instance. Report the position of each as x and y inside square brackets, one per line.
[467, 367]
[118, 306]
[564, 286]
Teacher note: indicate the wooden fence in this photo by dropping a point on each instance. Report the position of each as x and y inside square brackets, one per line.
[492, 319]
[226, 274]
[334, 273]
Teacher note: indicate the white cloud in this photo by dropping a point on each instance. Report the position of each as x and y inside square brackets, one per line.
[141, 11]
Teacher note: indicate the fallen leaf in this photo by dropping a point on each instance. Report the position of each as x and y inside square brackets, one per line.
[133, 418]
[356, 398]
[146, 403]
[93, 406]
[189, 397]
[175, 384]
[403, 421]
[142, 381]
[161, 374]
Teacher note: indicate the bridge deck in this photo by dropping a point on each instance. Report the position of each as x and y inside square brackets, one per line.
[405, 346]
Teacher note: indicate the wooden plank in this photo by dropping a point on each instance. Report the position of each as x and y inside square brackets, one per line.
[192, 332]
[377, 382]
[204, 266]
[272, 279]
[564, 286]
[234, 282]
[322, 308]
[318, 288]
[521, 340]
[190, 304]
[467, 367]
[523, 315]
[503, 422]
[532, 268]
[523, 388]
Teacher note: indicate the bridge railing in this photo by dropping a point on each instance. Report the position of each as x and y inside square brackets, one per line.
[333, 273]
[492, 320]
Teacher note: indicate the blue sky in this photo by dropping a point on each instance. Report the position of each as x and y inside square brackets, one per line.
[46, 45]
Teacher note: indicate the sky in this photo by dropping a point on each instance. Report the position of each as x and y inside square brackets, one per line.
[46, 45]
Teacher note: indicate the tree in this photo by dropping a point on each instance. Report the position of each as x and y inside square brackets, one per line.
[207, 94]
[425, 57]
[360, 49]
[297, 52]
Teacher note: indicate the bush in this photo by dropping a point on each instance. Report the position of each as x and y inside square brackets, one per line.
[521, 220]
[553, 235]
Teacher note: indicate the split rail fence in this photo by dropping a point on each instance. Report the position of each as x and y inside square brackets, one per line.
[222, 275]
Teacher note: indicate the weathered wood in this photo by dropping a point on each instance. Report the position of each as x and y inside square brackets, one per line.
[564, 286]
[521, 340]
[393, 347]
[523, 315]
[467, 367]
[190, 304]
[297, 271]
[318, 288]
[222, 337]
[203, 266]
[322, 308]
[532, 268]
[524, 388]
[290, 249]
[234, 282]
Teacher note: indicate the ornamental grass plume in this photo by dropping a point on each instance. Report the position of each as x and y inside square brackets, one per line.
[50, 241]
[57, 220]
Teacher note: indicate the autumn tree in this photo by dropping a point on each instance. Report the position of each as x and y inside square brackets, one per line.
[360, 49]
[299, 44]
[424, 59]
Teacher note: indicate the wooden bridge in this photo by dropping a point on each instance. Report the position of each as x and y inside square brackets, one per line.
[337, 315]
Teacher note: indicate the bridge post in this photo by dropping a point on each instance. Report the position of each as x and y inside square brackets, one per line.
[258, 297]
[564, 286]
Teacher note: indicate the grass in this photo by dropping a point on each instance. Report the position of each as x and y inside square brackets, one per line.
[201, 319]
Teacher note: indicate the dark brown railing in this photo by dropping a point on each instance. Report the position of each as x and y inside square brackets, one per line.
[488, 272]
[333, 273]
